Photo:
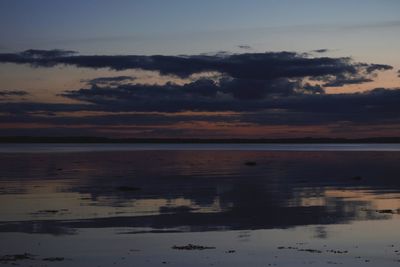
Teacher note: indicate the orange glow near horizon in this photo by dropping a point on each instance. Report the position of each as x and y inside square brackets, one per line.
[204, 129]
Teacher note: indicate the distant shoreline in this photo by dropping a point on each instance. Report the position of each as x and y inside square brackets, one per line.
[103, 140]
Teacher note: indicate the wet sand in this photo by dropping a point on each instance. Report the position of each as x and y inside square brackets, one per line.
[200, 208]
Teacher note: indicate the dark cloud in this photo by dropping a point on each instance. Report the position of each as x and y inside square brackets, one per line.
[320, 50]
[202, 94]
[245, 47]
[370, 68]
[6, 93]
[341, 81]
[258, 66]
[273, 88]
[364, 73]
[303, 108]
[312, 89]
[229, 94]
[378, 106]
[109, 81]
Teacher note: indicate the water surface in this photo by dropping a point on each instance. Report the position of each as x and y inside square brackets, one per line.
[101, 205]
[63, 148]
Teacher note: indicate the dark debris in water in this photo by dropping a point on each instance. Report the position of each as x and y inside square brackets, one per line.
[302, 249]
[337, 251]
[16, 257]
[192, 247]
[50, 212]
[315, 250]
[26, 256]
[53, 259]
[387, 211]
[310, 250]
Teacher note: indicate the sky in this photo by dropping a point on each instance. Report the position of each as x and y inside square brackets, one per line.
[200, 69]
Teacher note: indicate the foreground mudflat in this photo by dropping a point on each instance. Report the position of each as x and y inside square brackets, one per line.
[200, 208]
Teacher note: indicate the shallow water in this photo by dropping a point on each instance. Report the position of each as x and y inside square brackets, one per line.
[130, 207]
[64, 148]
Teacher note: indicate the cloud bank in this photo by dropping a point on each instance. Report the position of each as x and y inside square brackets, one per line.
[269, 89]
[260, 66]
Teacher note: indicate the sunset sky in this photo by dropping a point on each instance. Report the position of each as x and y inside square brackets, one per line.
[200, 69]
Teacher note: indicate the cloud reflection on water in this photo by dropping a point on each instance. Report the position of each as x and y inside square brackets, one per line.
[194, 190]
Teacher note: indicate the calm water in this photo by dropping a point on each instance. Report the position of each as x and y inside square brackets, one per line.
[128, 205]
[62, 148]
